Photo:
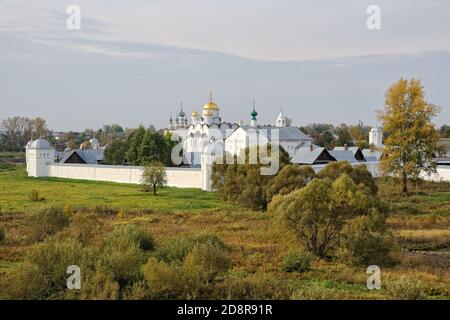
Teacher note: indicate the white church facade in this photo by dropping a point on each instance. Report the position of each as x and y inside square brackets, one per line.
[206, 132]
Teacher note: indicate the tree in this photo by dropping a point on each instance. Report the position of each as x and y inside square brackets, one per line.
[243, 183]
[135, 145]
[325, 139]
[290, 178]
[343, 136]
[318, 212]
[116, 152]
[412, 139]
[153, 147]
[445, 131]
[153, 176]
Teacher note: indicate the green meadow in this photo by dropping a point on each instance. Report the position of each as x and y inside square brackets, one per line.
[16, 187]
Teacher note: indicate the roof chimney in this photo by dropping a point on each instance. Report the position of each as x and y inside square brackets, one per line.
[345, 147]
[311, 147]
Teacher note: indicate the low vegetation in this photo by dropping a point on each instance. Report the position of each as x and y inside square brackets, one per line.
[139, 247]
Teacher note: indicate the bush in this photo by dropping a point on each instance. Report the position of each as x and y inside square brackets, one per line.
[365, 241]
[45, 222]
[163, 279]
[296, 261]
[290, 178]
[123, 253]
[42, 274]
[318, 212]
[34, 196]
[188, 272]
[128, 235]
[406, 288]
[176, 249]
[359, 174]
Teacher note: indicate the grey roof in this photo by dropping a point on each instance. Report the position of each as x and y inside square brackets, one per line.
[40, 144]
[305, 155]
[354, 150]
[372, 155]
[285, 133]
[343, 155]
[89, 156]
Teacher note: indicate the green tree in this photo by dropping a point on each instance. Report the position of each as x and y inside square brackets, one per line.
[318, 212]
[243, 183]
[326, 140]
[343, 136]
[116, 152]
[412, 137]
[445, 131]
[154, 176]
[135, 146]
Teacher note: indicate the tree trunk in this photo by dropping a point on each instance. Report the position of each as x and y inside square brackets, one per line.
[405, 183]
[154, 189]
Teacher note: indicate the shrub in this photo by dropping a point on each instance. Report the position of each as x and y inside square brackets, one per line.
[203, 264]
[290, 178]
[189, 271]
[296, 261]
[123, 253]
[406, 288]
[359, 174]
[365, 241]
[318, 212]
[128, 235]
[163, 279]
[99, 286]
[45, 222]
[42, 274]
[34, 196]
[176, 249]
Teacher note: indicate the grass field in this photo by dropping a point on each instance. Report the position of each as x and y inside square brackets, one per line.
[420, 223]
[16, 186]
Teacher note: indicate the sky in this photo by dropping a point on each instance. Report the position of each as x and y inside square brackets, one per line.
[133, 62]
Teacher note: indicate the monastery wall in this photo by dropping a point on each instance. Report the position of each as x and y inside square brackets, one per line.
[176, 177]
[443, 174]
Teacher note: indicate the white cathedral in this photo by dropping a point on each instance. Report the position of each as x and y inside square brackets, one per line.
[207, 130]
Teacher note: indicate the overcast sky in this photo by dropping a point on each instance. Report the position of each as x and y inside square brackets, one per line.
[133, 61]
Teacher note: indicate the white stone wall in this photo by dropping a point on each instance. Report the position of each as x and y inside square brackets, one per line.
[443, 174]
[176, 177]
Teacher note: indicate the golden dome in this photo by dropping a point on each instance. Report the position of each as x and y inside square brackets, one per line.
[208, 113]
[210, 106]
[194, 113]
